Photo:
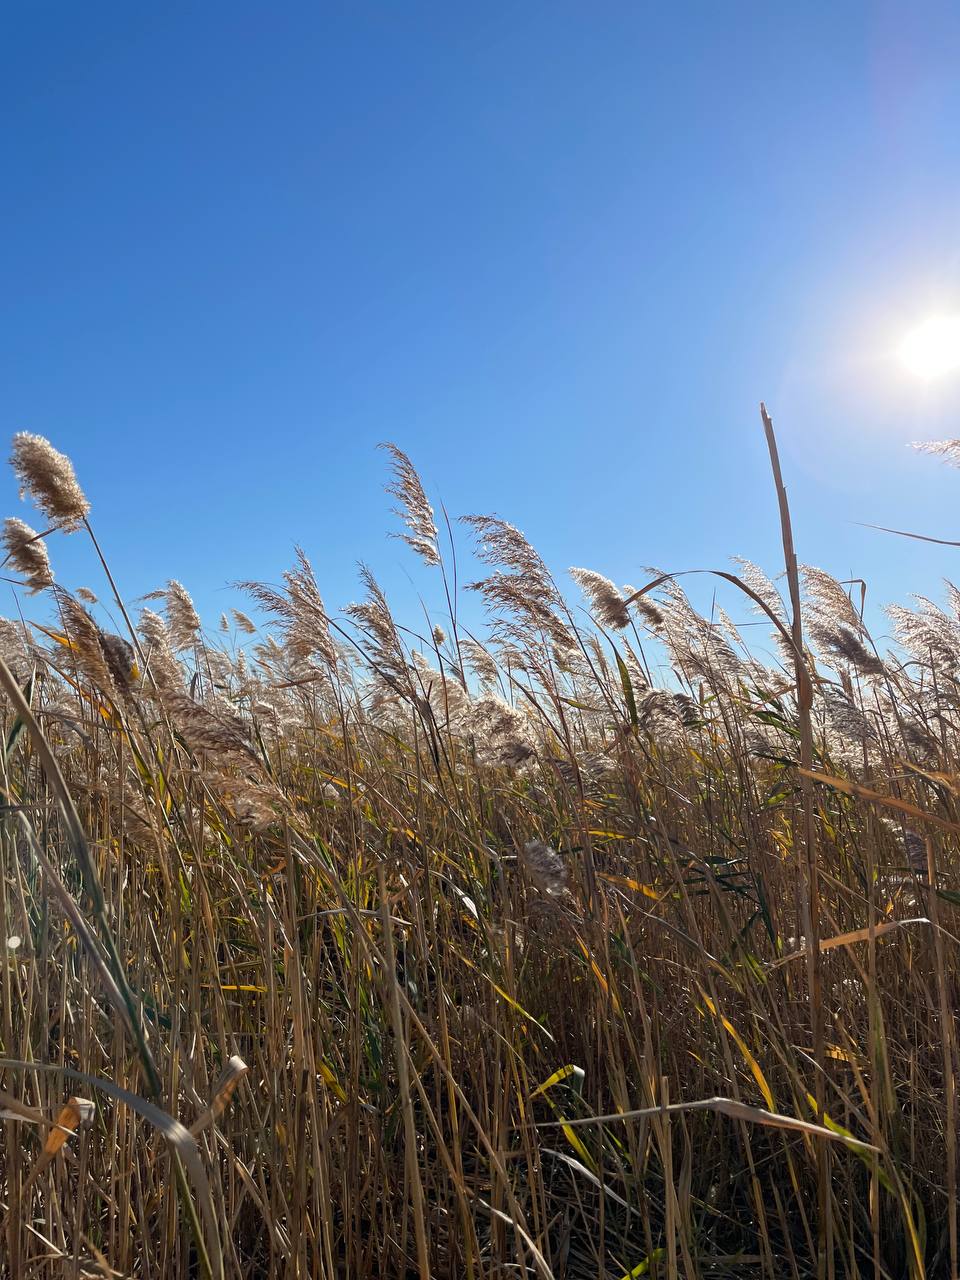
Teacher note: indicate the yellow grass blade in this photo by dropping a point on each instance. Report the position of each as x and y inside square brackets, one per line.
[742, 1046]
[848, 939]
[889, 802]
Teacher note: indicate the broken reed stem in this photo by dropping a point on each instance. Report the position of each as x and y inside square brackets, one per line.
[811, 881]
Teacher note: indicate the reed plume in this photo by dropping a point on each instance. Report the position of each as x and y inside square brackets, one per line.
[545, 868]
[947, 451]
[606, 601]
[26, 553]
[48, 478]
[299, 609]
[182, 617]
[415, 510]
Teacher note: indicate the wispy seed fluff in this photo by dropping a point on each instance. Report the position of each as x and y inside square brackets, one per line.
[243, 623]
[501, 733]
[948, 450]
[606, 602]
[27, 553]
[13, 648]
[300, 610]
[479, 660]
[162, 666]
[107, 665]
[182, 617]
[48, 477]
[545, 868]
[204, 730]
[761, 586]
[415, 510]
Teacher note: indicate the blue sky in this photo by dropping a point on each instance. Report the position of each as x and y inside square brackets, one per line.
[557, 252]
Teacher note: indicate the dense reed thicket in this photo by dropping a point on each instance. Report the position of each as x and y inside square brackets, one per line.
[336, 949]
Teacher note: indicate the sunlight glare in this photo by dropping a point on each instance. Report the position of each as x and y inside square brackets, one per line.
[932, 349]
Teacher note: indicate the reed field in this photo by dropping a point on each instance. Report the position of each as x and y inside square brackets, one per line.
[603, 939]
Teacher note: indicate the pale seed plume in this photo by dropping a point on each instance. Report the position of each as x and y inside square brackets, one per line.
[375, 621]
[300, 611]
[163, 669]
[120, 658]
[760, 585]
[244, 624]
[605, 600]
[182, 617]
[415, 510]
[947, 451]
[828, 597]
[545, 867]
[93, 652]
[27, 554]
[479, 661]
[644, 607]
[204, 730]
[840, 643]
[503, 736]
[47, 476]
[521, 586]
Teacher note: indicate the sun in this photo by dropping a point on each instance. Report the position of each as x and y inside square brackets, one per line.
[932, 349]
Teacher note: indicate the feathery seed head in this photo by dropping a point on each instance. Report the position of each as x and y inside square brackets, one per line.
[837, 642]
[545, 868]
[162, 666]
[761, 586]
[845, 718]
[243, 623]
[947, 450]
[95, 654]
[828, 597]
[48, 477]
[500, 543]
[527, 590]
[13, 646]
[27, 553]
[374, 618]
[606, 602]
[120, 658]
[480, 662]
[181, 615]
[644, 606]
[204, 730]
[415, 510]
[300, 611]
[502, 734]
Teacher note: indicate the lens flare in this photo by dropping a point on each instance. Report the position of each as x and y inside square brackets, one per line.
[932, 349]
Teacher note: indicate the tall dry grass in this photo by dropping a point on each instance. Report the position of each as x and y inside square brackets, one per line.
[336, 949]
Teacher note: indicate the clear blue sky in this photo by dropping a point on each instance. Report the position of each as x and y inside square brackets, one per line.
[557, 252]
